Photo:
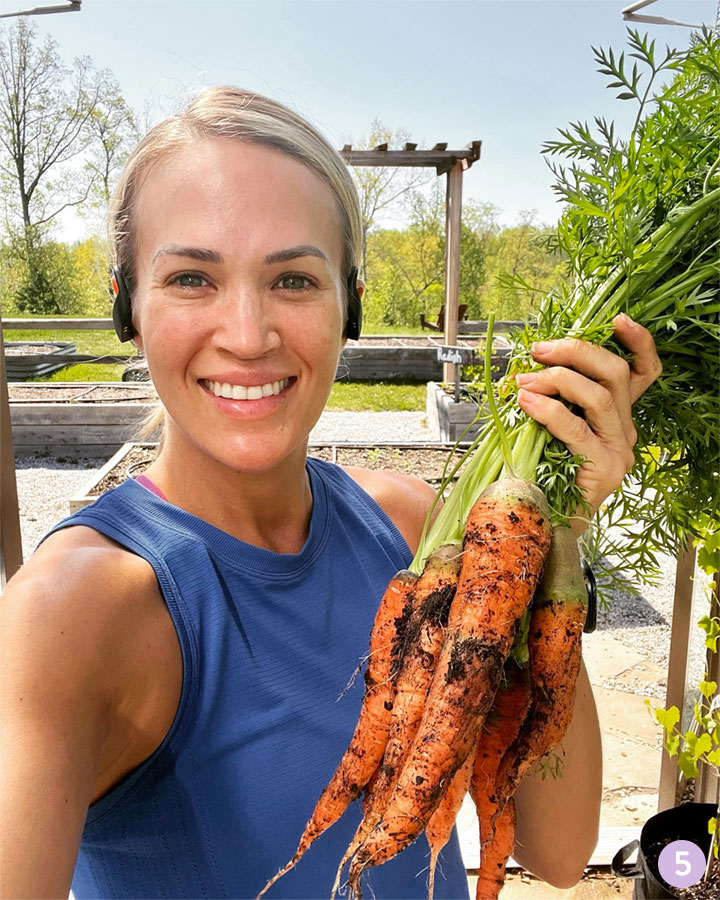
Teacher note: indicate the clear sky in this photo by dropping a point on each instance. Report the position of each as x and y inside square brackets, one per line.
[506, 72]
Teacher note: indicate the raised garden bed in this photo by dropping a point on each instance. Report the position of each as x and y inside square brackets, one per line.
[425, 461]
[77, 418]
[448, 418]
[377, 358]
[33, 359]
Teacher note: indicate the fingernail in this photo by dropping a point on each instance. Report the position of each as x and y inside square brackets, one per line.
[541, 347]
[624, 319]
[526, 377]
[527, 397]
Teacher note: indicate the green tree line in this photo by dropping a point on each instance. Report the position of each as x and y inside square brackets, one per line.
[65, 133]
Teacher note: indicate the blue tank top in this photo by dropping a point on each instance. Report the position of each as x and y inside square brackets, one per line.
[269, 642]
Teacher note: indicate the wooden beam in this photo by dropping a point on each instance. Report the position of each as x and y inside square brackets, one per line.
[10, 537]
[452, 263]
[65, 324]
[677, 668]
[410, 146]
[382, 147]
[414, 158]
[440, 146]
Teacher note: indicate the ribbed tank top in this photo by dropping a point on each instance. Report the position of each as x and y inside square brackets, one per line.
[269, 643]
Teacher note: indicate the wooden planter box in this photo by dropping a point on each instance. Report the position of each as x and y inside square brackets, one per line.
[78, 426]
[379, 455]
[410, 358]
[449, 419]
[35, 365]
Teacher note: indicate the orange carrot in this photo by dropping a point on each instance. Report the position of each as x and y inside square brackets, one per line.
[420, 645]
[501, 728]
[442, 821]
[506, 540]
[555, 648]
[495, 854]
[368, 742]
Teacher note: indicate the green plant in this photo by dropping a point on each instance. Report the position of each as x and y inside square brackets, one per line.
[701, 742]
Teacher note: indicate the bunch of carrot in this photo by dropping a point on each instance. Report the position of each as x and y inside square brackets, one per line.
[445, 703]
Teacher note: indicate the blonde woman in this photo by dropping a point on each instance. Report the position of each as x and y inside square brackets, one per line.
[171, 655]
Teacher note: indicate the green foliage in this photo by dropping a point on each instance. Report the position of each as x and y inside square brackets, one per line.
[405, 267]
[53, 278]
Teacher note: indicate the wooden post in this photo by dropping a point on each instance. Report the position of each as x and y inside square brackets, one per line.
[682, 620]
[707, 785]
[10, 540]
[453, 212]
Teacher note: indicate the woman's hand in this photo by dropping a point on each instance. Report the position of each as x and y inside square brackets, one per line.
[605, 387]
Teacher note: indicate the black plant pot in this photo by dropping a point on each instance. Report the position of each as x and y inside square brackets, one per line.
[687, 822]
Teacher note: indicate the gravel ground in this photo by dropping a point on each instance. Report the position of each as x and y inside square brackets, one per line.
[642, 623]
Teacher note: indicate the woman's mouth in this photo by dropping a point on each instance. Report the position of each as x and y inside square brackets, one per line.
[246, 392]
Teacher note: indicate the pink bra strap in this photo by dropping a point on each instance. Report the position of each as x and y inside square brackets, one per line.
[151, 486]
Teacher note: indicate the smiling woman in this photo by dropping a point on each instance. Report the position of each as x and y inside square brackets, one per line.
[239, 579]
[176, 649]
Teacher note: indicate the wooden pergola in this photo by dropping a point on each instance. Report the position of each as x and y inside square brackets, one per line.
[451, 163]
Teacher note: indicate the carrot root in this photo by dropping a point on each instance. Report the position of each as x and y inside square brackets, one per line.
[506, 540]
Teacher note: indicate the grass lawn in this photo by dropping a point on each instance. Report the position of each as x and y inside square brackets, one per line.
[86, 372]
[377, 396]
[101, 343]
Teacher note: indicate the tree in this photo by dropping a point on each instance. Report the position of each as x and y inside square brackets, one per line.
[45, 113]
[381, 188]
[62, 133]
[115, 132]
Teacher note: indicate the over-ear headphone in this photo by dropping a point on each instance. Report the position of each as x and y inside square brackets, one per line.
[122, 312]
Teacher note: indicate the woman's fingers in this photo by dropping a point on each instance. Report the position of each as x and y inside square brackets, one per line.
[646, 366]
[598, 364]
[597, 401]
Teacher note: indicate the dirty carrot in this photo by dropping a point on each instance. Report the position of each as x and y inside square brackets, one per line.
[555, 648]
[507, 537]
[495, 854]
[419, 648]
[501, 728]
[442, 821]
[368, 741]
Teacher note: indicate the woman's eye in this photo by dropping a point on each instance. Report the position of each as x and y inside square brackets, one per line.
[189, 280]
[292, 282]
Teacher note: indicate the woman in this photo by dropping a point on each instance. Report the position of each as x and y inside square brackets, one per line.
[173, 653]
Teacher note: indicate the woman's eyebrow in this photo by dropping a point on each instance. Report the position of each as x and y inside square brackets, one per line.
[203, 255]
[295, 252]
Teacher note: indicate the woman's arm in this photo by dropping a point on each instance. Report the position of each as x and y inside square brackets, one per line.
[558, 818]
[63, 620]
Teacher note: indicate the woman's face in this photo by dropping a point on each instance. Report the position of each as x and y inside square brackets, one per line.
[238, 283]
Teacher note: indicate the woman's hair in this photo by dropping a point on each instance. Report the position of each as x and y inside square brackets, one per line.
[230, 112]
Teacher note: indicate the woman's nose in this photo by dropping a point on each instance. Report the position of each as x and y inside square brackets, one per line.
[246, 325]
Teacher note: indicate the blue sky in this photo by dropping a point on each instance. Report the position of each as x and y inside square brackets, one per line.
[506, 72]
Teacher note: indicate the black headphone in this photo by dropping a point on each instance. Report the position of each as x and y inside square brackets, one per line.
[122, 312]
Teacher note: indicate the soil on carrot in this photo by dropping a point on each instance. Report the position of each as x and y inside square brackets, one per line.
[426, 463]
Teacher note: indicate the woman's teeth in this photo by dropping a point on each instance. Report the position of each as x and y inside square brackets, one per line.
[240, 392]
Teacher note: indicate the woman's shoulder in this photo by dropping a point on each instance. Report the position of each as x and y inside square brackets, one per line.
[405, 499]
[84, 579]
